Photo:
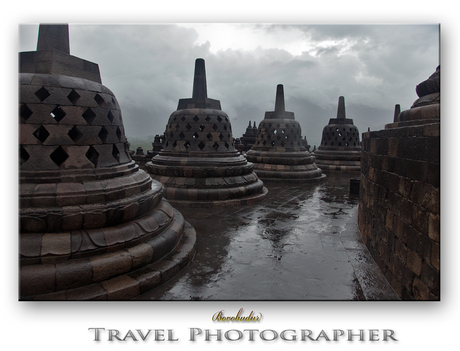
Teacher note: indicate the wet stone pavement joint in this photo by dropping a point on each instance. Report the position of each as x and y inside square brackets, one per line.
[300, 243]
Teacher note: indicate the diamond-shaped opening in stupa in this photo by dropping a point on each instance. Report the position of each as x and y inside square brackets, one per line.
[99, 99]
[59, 156]
[118, 133]
[42, 94]
[25, 112]
[73, 97]
[41, 134]
[23, 155]
[103, 134]
[89, 116]
[92, 155]
[58, 113]
[110, 116]
[75, 134]
[115, 153]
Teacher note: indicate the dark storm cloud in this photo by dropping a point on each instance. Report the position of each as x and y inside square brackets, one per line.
[150, 67]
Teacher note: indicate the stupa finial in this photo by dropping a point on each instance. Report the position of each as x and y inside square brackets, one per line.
[341, 108]
[199, 81]
[53, 37]
[279, 102]
[397, 112]
[54, 40]
[199, 97]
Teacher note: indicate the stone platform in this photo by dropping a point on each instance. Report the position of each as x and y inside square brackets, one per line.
[301, 243]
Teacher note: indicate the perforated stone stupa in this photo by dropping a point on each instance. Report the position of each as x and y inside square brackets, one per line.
[279, 153]
[249, 137]
[340, 148]
[199, 165]
[93, 226]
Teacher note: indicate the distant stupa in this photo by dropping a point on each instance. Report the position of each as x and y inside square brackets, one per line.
[249, 137]
[340, 148]
[93, 226]
[199, 164]
[279, 153]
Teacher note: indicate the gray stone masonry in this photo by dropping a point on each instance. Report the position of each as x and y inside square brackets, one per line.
[399, 207]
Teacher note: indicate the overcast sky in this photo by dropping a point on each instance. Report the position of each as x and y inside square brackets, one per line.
[150, 67]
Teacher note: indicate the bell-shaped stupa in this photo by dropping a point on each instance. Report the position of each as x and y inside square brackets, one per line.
[199, 165]
[340, 148]
[279, 153]
[93, 226]
[426, 109]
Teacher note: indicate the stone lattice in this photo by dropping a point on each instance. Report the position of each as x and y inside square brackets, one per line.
[340, 147]
[279, 153]
[199, 164]
[92, 224]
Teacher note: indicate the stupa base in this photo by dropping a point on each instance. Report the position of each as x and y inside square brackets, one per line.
[130, 283]
[284, 177]
[241, 201]
[339, 166]
[338, 160]
[287, 173]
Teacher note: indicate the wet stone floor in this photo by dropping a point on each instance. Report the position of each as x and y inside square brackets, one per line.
[300, 243]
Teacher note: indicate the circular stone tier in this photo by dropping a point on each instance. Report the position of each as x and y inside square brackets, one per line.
[279, 153]
[199, 165]
[340, 148]
[92, 224]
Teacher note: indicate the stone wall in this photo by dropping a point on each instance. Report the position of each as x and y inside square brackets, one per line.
[399, 209]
